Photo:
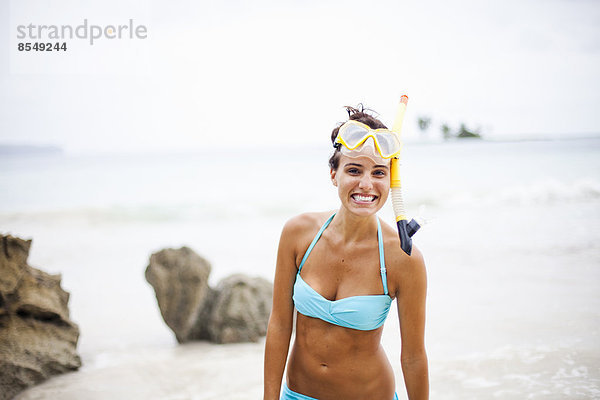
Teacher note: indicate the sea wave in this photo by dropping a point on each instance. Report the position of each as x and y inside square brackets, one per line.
[544, 192]
[540, 193]
[512, 373]
[151, 214]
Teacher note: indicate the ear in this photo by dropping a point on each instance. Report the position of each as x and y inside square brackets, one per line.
[333, 173]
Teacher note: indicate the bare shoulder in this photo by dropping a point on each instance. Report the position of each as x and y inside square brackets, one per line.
[305, 223]
[394, 255]
[402, 268]
[298, 231]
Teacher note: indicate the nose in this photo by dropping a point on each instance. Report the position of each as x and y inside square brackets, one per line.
[365, 182]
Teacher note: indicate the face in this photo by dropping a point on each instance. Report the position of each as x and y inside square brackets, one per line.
[363, 184]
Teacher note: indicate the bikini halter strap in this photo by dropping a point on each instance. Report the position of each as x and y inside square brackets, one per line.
[382, 258]
[379, 240]
[315, 240]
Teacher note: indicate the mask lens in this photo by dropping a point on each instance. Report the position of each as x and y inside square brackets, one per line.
[353, 135]
[388, 143]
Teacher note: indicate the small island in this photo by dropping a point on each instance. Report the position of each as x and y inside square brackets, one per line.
[447, 133]
[25, 149]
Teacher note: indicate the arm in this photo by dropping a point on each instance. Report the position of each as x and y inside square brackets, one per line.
[412, 290]
[280, 325]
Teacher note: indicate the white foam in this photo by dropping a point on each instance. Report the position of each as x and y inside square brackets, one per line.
[545, 191]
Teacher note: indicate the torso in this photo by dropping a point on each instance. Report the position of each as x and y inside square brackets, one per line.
[330, 361]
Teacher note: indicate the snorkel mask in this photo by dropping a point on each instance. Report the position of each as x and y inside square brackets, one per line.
[356, 139]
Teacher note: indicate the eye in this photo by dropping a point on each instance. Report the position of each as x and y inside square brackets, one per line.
[380, 173]
[353, 171]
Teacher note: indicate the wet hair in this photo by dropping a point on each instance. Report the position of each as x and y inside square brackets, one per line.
[360, 114]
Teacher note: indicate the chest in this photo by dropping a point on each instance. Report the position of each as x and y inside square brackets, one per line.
[336, 271]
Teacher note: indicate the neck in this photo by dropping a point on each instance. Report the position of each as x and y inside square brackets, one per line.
[353, 227]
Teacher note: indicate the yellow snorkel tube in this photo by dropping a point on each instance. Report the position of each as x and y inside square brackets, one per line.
[405, 229]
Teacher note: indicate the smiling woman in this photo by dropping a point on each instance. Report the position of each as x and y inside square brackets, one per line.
[363, 184]
[341, 270]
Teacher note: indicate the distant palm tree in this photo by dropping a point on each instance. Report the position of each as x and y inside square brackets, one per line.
[424, 123]
[463, 132]
[446, 131]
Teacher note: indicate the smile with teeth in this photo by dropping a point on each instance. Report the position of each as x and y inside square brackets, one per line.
[364, 198]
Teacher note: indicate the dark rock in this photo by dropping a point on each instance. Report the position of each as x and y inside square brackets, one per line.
[37, 338]
[236, 311]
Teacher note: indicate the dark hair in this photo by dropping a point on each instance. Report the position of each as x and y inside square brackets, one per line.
[360, 114]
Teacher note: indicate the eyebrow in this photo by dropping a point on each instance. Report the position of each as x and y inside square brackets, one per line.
[360, 165]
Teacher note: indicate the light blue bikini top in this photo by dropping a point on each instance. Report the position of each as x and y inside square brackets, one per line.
[364, 313]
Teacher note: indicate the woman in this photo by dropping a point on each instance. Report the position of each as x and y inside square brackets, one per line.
[341, 270]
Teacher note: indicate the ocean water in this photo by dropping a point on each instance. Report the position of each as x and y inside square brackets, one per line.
[511, 242]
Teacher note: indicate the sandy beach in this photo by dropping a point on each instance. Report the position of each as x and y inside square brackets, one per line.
[198, 371]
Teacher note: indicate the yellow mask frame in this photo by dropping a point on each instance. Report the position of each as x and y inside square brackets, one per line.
[352, 134]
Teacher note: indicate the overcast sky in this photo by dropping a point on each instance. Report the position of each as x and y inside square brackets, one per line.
[236, 72]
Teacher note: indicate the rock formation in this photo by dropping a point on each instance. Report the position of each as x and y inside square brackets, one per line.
[37, 338]
[180, 281]
[236, 311]
[240, 312]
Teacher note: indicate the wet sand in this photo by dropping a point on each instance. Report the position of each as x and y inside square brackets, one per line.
[194, 371]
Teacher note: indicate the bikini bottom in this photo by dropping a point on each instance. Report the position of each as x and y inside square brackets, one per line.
[289, 394]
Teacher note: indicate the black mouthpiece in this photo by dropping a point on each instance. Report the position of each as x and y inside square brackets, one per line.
[406, 230]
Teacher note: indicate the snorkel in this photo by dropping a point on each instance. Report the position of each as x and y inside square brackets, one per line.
[355, 139]
[405, 229]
